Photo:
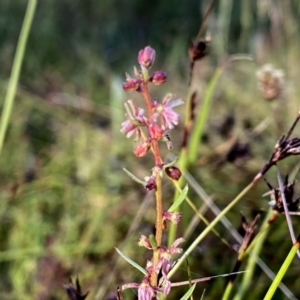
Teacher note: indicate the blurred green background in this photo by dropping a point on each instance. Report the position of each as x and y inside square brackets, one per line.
[65, 201]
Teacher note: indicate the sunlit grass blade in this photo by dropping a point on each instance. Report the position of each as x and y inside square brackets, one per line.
[187, 295]
[282, 270]
[134, 264]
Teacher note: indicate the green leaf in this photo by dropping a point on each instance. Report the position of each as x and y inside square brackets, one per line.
[179, 200]
[187, 295]
[202, 117]
[141, 269]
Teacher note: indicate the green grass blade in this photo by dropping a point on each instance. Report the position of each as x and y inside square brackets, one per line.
[133, 263]
[16, 68]
[282, 271]
[227, 291]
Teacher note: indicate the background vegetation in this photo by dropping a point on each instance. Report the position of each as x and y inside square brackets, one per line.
[65, 201]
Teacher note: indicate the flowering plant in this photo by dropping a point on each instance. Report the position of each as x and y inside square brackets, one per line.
[151, 126]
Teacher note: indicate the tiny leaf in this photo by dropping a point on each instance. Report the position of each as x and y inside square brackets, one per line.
[153, 241]
[179, 200]
[141, 269]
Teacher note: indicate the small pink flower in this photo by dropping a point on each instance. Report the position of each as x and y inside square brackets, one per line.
[136, 118]
[169, 118]
[165, 255]
[149, 266]
[146, 57]
[174, 217]
[144, 242]
[165, 264]
[129, 128]
[167, 286]
[146, 291]
[155, 131]
[174, 247]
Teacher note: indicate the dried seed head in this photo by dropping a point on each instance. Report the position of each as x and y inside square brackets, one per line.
[284, 148]
[249, 231]
[199, 49]
[276, 199]
[270, 82]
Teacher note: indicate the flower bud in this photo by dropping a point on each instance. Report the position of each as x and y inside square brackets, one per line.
[150, 184]
[142, 149]
[131, 84]
[146, 57]
[174, 217]
[159, 77]
[173, 172]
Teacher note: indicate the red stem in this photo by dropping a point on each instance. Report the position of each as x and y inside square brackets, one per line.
[158, 190]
